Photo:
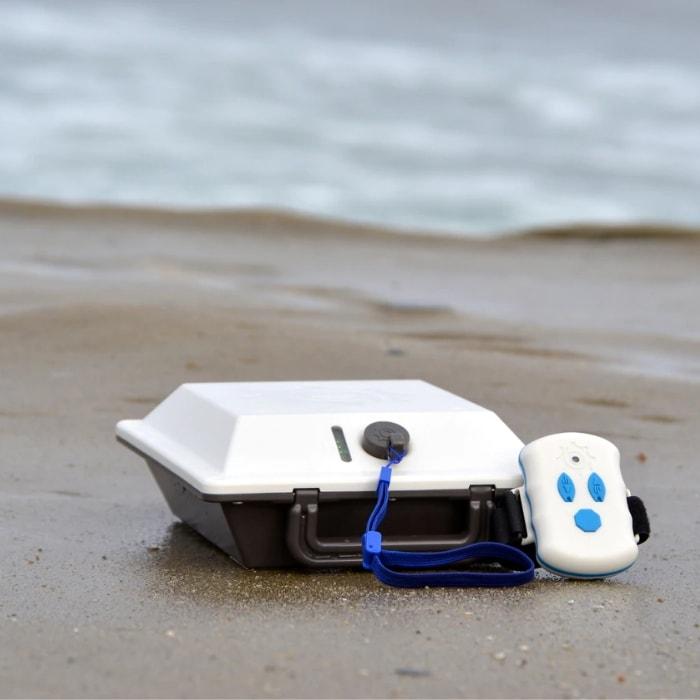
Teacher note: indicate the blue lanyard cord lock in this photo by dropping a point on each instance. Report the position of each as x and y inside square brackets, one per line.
[403, 569]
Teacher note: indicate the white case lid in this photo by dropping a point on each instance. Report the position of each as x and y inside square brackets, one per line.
[274, 437]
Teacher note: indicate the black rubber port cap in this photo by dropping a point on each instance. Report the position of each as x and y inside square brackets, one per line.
[380, 436]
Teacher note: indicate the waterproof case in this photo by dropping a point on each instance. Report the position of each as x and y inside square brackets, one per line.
[275, 474]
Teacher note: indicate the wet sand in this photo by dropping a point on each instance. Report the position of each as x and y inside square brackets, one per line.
[102, 313]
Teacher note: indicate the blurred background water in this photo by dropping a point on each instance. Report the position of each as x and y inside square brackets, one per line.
[470, 117]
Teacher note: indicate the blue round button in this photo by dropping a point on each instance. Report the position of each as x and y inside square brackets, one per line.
[587, 520]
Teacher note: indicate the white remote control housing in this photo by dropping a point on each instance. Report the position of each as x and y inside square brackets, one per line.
[577, 503]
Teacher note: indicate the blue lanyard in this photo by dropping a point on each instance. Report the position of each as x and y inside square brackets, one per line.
[394, 567]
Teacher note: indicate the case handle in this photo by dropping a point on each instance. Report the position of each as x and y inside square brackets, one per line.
[309, 549]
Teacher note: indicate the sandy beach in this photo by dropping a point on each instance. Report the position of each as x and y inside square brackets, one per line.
[103, 312]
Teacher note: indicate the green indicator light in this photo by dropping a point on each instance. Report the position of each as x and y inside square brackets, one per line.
[341, 443]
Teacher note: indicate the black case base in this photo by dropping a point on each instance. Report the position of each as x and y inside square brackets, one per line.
[323, 530]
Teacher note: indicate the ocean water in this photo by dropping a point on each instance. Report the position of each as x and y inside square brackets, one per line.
[467, 117]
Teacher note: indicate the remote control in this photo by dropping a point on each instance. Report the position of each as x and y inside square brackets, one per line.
[578, 505]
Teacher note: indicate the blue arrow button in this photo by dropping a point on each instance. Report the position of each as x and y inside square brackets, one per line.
[566, 488]
[596, 487]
